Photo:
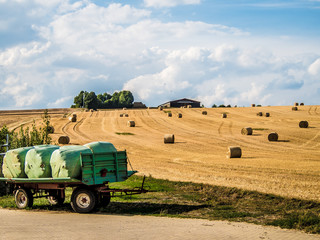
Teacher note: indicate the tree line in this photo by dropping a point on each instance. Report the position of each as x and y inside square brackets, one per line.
[90, 100]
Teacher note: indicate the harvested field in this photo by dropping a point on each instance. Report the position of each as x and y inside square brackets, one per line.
[289, 167]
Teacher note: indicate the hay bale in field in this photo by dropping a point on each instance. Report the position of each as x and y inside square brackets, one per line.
[303, 124]
[273, 137]
[296, 104]
[169, 114]
[253, 105]
[121, 114]
[131, 124]
[160, 108]
[224, 115]
[246, 131]
[126, 115]
[179, 115]
[302, 104]
[50, 129]
[260, 114]
[91, 110]
[189, 106]
[168, 138]
[124, 108]
[63, 140]
[294, 109]
[267, 114]
[234, 152]
[74, 115]
[72, 119]
[204, 113]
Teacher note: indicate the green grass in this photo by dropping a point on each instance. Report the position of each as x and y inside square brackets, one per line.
[124, 133]
[260, 129]
[192, 200]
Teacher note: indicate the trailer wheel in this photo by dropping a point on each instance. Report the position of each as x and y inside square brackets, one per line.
[23, 198]
[83, 200]
[56, 200]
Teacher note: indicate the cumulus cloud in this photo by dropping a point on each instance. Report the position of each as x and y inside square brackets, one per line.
[78, 45]
[169, 3]
[314, 68]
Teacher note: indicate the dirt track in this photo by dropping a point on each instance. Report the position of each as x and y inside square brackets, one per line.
[289, 167]
[19, 224]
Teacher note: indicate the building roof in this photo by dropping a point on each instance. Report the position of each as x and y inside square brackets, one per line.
[182, 100]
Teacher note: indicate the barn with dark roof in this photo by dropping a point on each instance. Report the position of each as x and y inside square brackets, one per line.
[184, 102]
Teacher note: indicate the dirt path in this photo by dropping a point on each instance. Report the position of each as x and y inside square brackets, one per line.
[19, 224]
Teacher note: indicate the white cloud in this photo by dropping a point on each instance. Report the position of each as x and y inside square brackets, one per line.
[314, 68]
[83, 46]
[169, 3]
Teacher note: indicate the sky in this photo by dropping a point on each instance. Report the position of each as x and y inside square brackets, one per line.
[235, 52]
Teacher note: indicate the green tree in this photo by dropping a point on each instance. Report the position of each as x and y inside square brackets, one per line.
[78, 100]
[91, 101]
[125, 99]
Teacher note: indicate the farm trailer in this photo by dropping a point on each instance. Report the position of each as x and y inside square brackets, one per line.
[89, 192]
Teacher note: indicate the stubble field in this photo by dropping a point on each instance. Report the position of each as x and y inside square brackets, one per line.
[289, 167]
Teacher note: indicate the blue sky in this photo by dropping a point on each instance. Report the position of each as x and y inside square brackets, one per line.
[216, 51]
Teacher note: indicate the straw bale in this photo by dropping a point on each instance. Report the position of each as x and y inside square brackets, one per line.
[234, 152]
[168, 138]
[131, 124]
[246, 131]
[303, 124]
[63, 140]
[273, 137]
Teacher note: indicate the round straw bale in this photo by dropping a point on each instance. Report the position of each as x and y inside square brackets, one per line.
[74, 115]
[179, 115]
[63, 140]
[204, 113]
[272, 137]
[189, 106]
[260, 114]
[160, 108]
[302, 104]
[294, 109]
[168, 138]
[50, 129]
[169, 114]
[131, 124]
[267, 114]
[246, 131]
[126, 115]
[253, 105]
[303, 124]
[224, 115]
[234, 152]
[124, 108]
[296, 104]
[91, 110]
[72, 119]
[121, 114]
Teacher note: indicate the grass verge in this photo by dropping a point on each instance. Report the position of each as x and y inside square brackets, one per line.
[192, 200]
[124, 133]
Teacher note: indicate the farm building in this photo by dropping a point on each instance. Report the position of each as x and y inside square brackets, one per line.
[184, 102]
[138, 105]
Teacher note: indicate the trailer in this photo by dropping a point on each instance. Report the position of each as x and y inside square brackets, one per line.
[90, 191]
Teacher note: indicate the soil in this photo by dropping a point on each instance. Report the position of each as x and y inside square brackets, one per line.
[20, 224]
[288, 167]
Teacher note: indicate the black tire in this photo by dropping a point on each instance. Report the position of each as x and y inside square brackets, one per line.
[23, 198]
[56, 200]
[83, 200]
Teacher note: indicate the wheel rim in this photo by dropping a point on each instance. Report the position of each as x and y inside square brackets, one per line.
[21, 199]
[83, 200]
